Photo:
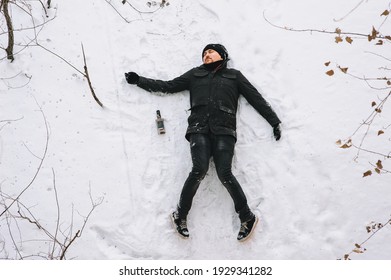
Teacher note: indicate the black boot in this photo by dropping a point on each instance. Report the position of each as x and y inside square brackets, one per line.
[247, 228]
[180, 225]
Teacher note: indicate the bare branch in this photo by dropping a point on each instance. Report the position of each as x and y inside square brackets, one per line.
[336, 32]
[147, 12]
[78, 234]
[85, 74]
[368, 122]
[54, 252]
[115, 9]
[373, 229]
[350, 12]
[80, 231]
[19, 46]
[40, 25]
[372, 152]
[160, 6]
[378, 55]
[89, 79]
[12, 237]
[44, 8]
[58, 211]
[60, 57]
[10, 48]
[7, 122]
[39, 166]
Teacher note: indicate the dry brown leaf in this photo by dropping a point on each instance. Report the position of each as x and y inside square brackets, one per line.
[327, 63]
[379, 164]
[358, 251]
[380, 132]
[343, 69]
[349, 40]
[385, 13]
[338, 39]
[374, 32]
[347, 144]
[367, 173]
[330, 72]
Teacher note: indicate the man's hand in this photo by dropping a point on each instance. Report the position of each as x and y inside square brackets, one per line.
[277, 132]
[132, 77]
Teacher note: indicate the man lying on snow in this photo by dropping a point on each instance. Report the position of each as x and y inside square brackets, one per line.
[214, 93]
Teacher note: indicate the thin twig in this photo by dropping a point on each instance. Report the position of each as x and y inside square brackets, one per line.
[371, 152]
[58, 212]
[12, 236]
[46, 21]
[359, 246]
[60, 57]
[35, 222]
[44, 8]
[378, 55]
[7, 122]
[125, 19]
[10, 48]
[80, 231]
[337, 32]
[89, 79]
[32, 220]
[39, 166]
[351, 11]
[134, 8]
[368, 123]
[143, 12]
[62, 257]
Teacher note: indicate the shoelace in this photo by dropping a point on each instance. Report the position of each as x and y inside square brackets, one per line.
[243, 227]
[183, 224]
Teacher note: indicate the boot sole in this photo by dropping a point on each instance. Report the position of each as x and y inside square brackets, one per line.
[173, 223]
[251, 232]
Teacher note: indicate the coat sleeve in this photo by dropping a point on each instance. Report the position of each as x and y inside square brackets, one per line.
[256, 100]
[176, 85]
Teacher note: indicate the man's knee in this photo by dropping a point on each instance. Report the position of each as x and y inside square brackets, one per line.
[199, 172]
[225, 174]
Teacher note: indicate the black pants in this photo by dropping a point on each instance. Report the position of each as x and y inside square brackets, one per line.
[221, 148]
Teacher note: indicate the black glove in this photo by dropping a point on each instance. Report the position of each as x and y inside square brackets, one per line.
[132, 77]
[277, 132]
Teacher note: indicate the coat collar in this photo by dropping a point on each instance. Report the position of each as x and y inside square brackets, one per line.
[215, 66]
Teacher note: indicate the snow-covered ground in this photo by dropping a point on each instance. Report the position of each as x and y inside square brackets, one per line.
[311, 196]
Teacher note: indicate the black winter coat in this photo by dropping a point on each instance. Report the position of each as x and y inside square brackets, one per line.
[213, 98]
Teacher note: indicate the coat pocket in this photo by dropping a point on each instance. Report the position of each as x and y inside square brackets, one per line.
[226, 117]
[227, 110]
[228, 81]
[200, 74]
[230, 76]
[199, 82]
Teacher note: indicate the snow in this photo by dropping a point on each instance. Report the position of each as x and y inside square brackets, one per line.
[310, 195]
